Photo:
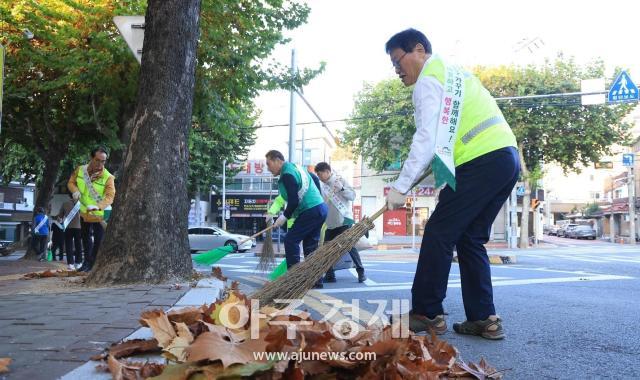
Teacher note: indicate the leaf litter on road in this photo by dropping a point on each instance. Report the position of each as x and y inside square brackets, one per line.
[217, 341]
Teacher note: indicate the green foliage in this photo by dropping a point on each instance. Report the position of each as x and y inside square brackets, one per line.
[558, 130]
[74, 84]
[233, 66]
[382, 124]
[591, 209]
[65, 88]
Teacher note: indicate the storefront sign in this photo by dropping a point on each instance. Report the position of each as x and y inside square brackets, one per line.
[421, 191]
[242, 206]
[395, 223]
[357, 212]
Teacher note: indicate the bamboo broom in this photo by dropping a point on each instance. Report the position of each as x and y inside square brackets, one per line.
[300, 278]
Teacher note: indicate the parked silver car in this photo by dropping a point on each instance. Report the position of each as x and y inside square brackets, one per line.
[208, 238]
[582, 232]
[564, 230]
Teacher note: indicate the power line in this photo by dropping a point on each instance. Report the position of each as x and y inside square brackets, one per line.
[525, 101]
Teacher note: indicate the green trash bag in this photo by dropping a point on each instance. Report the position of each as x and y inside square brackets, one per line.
[49, 255]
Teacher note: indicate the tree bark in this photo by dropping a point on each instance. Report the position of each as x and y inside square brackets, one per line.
[146, 240]
[45, 190]
[526, 202]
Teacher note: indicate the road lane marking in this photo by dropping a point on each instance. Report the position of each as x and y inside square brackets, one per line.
[455, 284]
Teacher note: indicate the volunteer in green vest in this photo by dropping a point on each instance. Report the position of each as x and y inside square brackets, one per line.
[93, 186]
[463, 137]
[301, 190]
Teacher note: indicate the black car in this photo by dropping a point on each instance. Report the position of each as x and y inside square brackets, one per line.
[4, 247]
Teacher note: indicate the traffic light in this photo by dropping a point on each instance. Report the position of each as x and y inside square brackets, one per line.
[535, 203]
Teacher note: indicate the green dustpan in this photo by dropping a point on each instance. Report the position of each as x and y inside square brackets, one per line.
[279, 270]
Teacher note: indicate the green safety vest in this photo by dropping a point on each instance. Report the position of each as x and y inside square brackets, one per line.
[312, 196]
[482, 127]
[278, 204]
[85, 195]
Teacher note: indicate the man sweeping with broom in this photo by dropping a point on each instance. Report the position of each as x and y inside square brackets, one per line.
[463, 136]
[301, 190]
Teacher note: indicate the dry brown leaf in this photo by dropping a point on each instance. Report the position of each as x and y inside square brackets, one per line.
[4, 365]
[132, 347]
[213, 346]
[228, 311]
[180, 343]
[235, 286]
[160, 326]
[217, 273]
[188, 315]
[122, 371]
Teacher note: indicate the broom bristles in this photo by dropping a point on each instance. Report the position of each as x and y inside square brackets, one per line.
[300, 278]
[267, 255]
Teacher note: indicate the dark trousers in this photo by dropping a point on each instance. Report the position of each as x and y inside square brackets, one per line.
[57, 246]
[40, 244]
[331, 234]
[90, 245]
[306, 229]
[463, 219]
[73, 245]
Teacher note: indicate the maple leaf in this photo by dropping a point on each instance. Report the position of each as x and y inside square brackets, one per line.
[217, 273]
[229, 311]
[180, 343]
[160, 326]
[188, 315]
[482, 370]
[4, 365]
[132, 347]
[122, 371]
[214, 345]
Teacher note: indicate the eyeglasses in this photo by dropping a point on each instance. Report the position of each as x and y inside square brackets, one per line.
[396, 64]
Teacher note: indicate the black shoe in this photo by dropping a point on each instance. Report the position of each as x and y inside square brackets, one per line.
[86, 269]
[361, 277]
[318, 285]
[330, 279]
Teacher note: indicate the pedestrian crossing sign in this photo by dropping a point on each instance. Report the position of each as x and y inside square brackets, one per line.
[623, 89]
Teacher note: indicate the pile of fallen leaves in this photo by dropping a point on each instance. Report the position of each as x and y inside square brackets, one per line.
[57, 273]
[197, 345]
[4, 365]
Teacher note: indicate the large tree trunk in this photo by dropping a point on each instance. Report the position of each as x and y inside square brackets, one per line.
[146, 240]
[45, 189]
[526, 202]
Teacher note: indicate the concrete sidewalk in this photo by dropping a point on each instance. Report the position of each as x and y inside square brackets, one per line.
[50, 332]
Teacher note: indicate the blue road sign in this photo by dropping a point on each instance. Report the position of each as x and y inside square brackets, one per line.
[627, 159]
[520, 191]
[623, 89]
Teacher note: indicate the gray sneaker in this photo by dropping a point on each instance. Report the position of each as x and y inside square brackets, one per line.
[420, 323]
[490, 328]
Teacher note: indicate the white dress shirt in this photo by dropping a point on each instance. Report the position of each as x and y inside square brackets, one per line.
[427, 95]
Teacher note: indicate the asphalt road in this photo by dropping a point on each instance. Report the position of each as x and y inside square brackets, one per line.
[571, 311]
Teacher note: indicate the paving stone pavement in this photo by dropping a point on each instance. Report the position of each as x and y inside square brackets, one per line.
[49, 335]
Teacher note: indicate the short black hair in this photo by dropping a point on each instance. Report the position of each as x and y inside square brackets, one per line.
[273, 154]
[407, 41]
[99, 148]
[39, 210]
[322, 166]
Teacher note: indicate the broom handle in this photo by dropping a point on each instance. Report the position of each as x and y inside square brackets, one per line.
[257, 234]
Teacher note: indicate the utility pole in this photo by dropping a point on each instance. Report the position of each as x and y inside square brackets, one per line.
[632, 205]
[292, 111]
[513, 219]
[224, 195]
[413, 221]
